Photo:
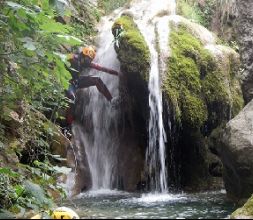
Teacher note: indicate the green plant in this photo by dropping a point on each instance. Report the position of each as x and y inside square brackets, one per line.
[192, 10]
[33, 81]
[109, 5]
[30, 40]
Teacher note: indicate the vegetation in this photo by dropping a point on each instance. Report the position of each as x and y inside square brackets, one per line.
[110, 5]
[193, 11]
[245, 212]
[34, 36]
[196, 82]
[183, 84]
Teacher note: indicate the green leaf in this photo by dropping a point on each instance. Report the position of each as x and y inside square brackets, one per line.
[73, 41]
[19, 190]
[54, 27]
[28, 43]
[29, 46]
[9, 172]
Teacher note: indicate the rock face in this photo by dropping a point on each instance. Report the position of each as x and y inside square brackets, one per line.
[134, 56]
[246, 212]
[201, 91]
[236, 152]
[245, 33]
[204, 92]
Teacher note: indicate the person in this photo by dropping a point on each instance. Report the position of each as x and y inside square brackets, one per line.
[117, 31]
[80, 66]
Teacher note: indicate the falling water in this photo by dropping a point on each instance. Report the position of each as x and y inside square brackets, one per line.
[153, 21]
[152, 18]
[101, 141]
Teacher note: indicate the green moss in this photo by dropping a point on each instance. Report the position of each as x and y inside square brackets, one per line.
[237, 97]
[214, 89]
[246, 210]
[133, 51]
[183, 80]
[201, 87]
[194, 112]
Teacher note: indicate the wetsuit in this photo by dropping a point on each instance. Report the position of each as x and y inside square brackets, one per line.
[82, 81]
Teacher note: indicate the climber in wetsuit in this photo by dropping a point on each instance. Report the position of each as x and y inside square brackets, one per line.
[79, 65]
[117, 31]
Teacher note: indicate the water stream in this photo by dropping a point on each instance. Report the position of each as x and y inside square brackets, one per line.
[101, 142]
[152, 20]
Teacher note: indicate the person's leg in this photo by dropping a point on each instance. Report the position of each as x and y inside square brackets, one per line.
[87, 81]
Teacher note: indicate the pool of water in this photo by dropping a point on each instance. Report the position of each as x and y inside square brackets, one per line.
[121, 205]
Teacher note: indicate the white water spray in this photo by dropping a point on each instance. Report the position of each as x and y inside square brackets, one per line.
[101, 141]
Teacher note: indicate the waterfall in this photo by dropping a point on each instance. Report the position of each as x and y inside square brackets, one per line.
[152, 18]
[101, 141]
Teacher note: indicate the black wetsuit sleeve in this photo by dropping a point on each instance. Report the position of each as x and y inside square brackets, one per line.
[73, 72]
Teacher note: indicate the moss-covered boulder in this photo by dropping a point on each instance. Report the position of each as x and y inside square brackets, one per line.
[203, 88]
[133, 52]
[134, 56]
[245, 212]
[202, 79]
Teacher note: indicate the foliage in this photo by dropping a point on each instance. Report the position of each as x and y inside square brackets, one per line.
[19, 192]
[33, 81]
[197, 13]
[84, 22]
[110, 5]
[35, 75]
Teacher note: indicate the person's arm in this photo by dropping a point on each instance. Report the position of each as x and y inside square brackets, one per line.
[104, 69]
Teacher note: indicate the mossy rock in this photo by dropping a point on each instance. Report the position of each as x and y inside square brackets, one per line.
[246, 212]
[183, 79]
[133, 52]
[202, 86]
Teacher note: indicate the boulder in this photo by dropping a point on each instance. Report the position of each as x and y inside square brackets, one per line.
[245, 33]
[236, 153]
[204, 92]
[245, 212]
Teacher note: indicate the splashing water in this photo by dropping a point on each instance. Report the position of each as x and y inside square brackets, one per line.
[101, 141]
[101, 144]
[153, 21]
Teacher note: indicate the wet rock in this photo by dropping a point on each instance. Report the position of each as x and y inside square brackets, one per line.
[236, 152]
[204, 91]
[245, 212]
[60, 144]
[245, 33]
